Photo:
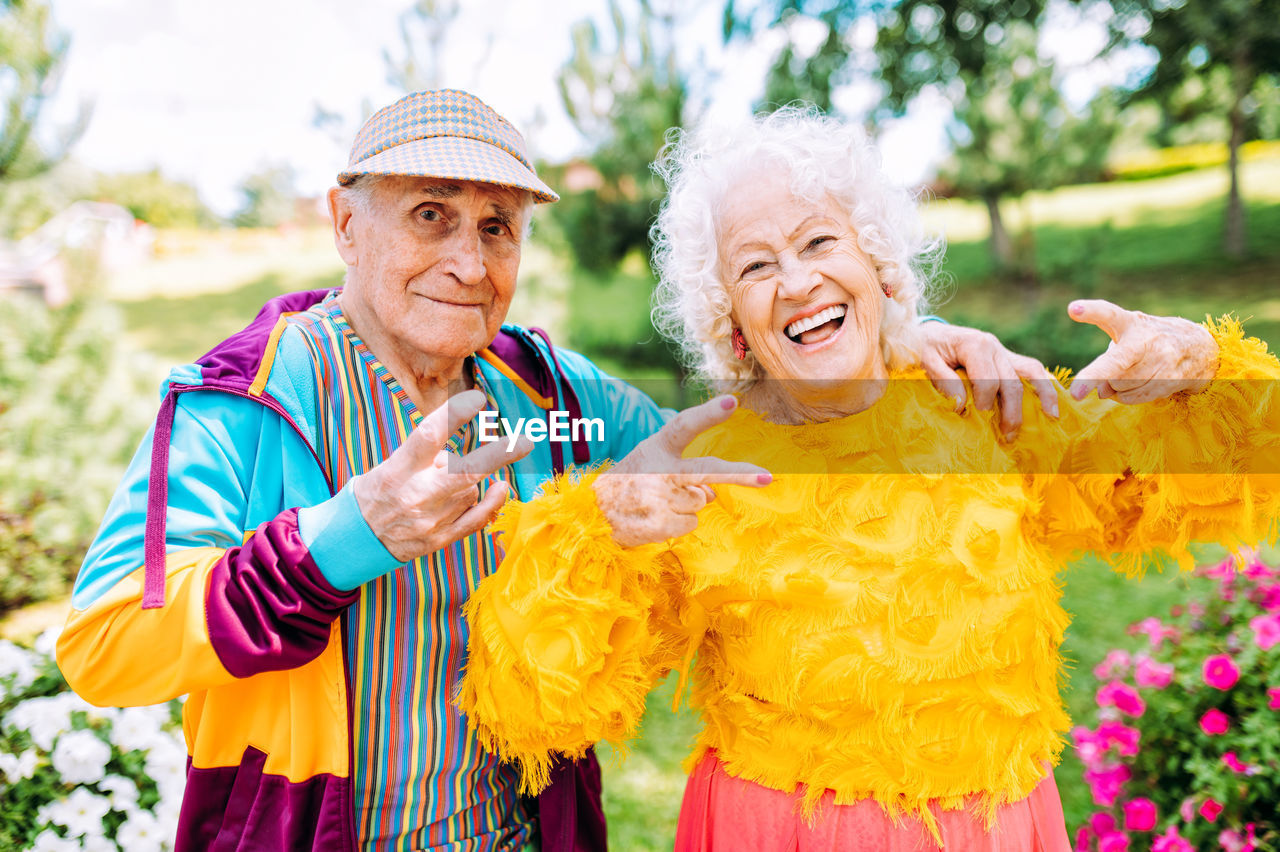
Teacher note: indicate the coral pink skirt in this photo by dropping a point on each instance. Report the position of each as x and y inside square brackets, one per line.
[721, 813]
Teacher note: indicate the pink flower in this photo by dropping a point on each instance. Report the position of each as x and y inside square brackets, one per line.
[1124, 738]
[1231, 840]
[1257, 569]
[1139, 815]
[1266, 630]
[1210, 809]
[1220, 672]
[1102, 823]
[1273, 694]
[1269, 597]
[1106, 782]
[1083, 840]
[1088, 745]
[1233, 763]
[1114, 842]
[1187, 810]
[1123, 697]
[1195, 608]
[1171, 841]
[1114, 664]
[1154, 629]
[1150, 673]
[1215, 722]
[1224, 570]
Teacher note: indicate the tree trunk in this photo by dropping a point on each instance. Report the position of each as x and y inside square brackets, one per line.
[1235, 237]
[1001, 247]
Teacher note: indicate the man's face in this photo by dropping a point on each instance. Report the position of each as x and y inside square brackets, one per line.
[432, 265]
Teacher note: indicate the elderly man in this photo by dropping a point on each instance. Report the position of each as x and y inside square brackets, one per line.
[293, 544]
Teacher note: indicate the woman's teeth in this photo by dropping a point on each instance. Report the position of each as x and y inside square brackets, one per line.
[799, 327]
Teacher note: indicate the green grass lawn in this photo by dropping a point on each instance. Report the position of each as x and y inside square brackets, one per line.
[1149, 245]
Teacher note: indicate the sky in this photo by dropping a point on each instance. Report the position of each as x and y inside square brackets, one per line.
[211, 92]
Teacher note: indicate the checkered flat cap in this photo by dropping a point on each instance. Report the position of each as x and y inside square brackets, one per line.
[444, 133]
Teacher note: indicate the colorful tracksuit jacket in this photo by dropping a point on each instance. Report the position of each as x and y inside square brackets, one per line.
[201, 582]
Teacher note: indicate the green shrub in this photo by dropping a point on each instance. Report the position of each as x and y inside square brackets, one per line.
[71, 413]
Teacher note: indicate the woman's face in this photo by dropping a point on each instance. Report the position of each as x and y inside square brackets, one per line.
[807, 299]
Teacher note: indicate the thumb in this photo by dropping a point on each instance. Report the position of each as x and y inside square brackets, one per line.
[1109, 317]
[431, 435]
[1112, 364]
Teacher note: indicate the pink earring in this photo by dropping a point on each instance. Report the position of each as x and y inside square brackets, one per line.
[739, 344]
[888, 290]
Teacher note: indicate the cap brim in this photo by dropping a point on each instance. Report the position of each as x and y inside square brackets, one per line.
[453, 157]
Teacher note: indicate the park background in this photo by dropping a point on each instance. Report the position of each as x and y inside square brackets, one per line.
[1120, 149]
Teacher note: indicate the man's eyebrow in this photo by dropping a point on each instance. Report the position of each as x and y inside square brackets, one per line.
[504, 215]
[448, 190]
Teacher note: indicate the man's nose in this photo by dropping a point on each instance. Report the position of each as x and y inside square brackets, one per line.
[467, 256]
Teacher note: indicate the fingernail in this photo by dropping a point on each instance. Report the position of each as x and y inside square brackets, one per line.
[1079, 392]
[1009, 436]
[764, 478]
[1053, 406]
[1076, 308]
[959, 401]
[728, 402]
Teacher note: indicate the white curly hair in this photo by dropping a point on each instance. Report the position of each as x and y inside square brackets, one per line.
[822, 156]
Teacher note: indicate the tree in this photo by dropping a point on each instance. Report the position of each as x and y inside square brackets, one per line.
[34, 54]
[1011, 127]
[269, 196]
[424, 28]
[1014, 132]
[622, 99]
[156, 199]
[1195, 39]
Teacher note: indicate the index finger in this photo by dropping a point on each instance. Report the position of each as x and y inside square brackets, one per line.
[688, 424]
[710, 470]
[430, 435]
[1109, 317]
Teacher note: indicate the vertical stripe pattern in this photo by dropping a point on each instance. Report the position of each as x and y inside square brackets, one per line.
[420, 782]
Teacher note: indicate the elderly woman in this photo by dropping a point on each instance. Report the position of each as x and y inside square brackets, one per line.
[874, 637]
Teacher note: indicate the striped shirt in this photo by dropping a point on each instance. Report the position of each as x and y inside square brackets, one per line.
[419, 780]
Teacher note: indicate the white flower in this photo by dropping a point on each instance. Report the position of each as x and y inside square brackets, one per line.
[47, 642]
[46, 717]
[80, 757]
[18, 662]
[134, 729]
[141, 832]
[166, 764]
[80, 813]
[42, 718]
[98, 844]
[49, 841]
[19, 767]
[121, 791]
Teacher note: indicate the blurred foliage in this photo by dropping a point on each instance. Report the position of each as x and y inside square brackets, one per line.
[1159, 162]
[156, 199]
[1012, 130]
[1233, 42]
[622, 98]
[269, 197]
[424, 28]
[71, 413]
[33, 53]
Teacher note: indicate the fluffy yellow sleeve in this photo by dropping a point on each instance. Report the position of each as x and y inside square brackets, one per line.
[568, 635]
[1152, 478]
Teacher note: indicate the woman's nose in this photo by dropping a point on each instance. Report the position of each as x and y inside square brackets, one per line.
[798, 280]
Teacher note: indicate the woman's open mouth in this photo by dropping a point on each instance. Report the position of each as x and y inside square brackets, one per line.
[817, 328]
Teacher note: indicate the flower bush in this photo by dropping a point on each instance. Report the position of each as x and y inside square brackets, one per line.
[1185, 754]
[78, 777]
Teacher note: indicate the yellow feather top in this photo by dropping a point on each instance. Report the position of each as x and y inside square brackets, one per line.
[883, 620]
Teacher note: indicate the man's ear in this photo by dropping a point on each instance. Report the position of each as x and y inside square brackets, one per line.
[341, 213]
